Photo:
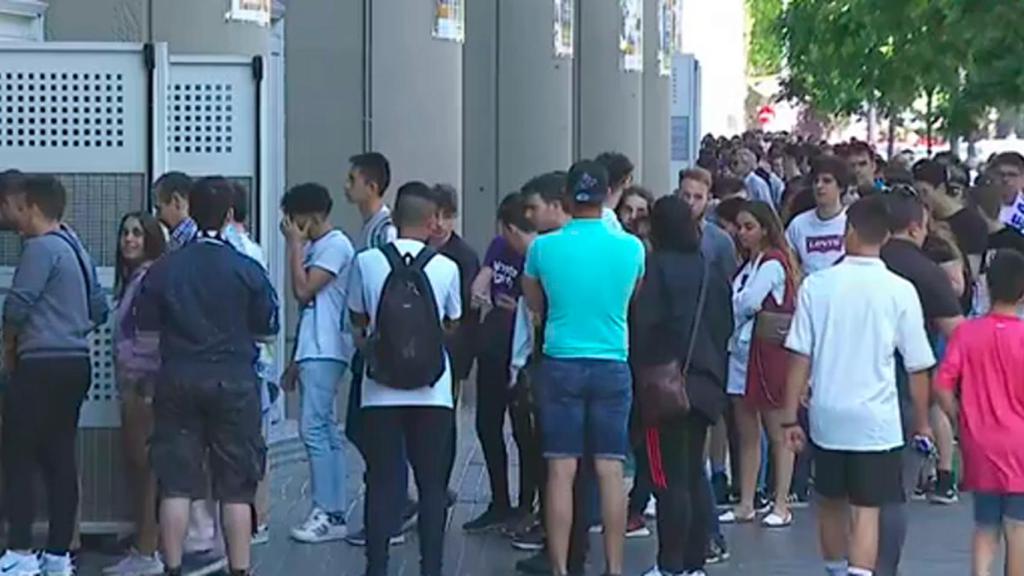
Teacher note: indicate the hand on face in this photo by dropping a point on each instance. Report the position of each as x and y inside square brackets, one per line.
[295, 230]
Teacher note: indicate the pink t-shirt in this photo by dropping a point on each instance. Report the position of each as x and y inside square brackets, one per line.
[985, 362]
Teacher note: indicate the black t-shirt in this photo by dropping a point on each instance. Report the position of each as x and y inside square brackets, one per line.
[970, 231]
[933, 286]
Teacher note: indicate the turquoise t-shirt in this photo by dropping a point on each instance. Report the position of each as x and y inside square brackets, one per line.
[588, 273]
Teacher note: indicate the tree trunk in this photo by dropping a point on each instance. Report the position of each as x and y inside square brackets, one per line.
[892, 134]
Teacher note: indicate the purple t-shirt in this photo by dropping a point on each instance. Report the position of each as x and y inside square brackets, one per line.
[507, 265]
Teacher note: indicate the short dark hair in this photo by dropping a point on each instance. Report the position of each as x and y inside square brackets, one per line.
[209, 200]
[512, 213]
[240, 202]
[904, 211]
[618, 165]
[415, 205]
[834, 166]
[726, 186]
[673, 227]
[46, 193]
[869, 217]
[858, 148]
[550, 187]
[11, 181]
[728, 210]
[447, 199]
[171, 183]
[1005, 277]
[374, 168]
[1014, 159]
[931, 172]
[308, 198]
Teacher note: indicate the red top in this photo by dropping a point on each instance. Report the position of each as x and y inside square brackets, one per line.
[768, 363]
[985, 362]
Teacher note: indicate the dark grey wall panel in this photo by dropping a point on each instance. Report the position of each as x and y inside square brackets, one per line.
[656, 136]
[480, 190]
[608, 98]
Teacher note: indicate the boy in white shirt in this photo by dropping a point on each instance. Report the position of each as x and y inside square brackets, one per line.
[817, 236]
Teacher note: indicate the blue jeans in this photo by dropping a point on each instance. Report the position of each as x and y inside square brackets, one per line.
[321, 434]
[584, 407]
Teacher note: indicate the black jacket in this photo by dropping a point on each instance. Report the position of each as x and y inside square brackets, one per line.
[461, 344]
[662, 321]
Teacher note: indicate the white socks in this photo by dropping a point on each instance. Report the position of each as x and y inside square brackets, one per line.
[837, 568]
[859, 572]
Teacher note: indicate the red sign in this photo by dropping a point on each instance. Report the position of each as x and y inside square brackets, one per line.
[766, 114]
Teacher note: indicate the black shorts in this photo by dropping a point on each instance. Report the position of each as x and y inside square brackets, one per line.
[866, 479]
[208, 421]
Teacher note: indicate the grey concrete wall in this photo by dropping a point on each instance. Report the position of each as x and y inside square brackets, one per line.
[417, 94]
[656, 97]
[323, 96]
[534, 96]
[608, 99]
[188, 26]
[480, 188]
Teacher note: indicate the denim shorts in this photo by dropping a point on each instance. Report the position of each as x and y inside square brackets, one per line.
[584, 408]
[991, 510]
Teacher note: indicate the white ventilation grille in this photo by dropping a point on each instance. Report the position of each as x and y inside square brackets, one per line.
[201, 118]
[62, 109]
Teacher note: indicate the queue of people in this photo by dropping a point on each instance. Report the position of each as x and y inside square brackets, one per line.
[791, 318]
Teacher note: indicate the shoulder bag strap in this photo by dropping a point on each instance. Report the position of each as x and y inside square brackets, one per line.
[86, 277]
[697, 316]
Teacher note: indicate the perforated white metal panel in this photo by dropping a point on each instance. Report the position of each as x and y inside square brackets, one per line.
[73, 108]
[211, 116]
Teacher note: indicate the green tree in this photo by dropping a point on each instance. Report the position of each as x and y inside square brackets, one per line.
[765, 47]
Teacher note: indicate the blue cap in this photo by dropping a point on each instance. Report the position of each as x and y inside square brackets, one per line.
[588, 182]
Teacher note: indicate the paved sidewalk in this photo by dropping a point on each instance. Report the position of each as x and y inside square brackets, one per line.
[938, 543]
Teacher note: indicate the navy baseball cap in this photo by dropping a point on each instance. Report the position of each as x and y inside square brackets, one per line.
[588, 182]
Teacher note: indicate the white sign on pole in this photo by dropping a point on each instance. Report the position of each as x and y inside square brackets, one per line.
[255, 11]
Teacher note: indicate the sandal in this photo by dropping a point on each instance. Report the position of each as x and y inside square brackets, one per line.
[776, 520]
[732, 517]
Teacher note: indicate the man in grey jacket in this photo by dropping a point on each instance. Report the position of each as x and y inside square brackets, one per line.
[53, 304]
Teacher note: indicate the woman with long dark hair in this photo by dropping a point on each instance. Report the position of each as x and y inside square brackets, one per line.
[140, 243]
[764, 298]
[666, 319]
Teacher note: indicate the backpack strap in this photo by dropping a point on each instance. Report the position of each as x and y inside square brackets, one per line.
[427, 254]
[395, 259]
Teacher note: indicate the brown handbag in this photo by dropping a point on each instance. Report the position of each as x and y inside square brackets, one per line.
[661, 388]
[772, 327]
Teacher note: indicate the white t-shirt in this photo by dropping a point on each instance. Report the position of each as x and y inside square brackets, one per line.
[320, 327]
[818, 243]
[367, 283]
[1013, 215]
[850, 320]
[611, 220]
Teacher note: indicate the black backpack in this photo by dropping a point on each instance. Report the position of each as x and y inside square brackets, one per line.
[406, 349]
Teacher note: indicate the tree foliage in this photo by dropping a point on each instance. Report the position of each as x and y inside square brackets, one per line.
[765, 48]
[843, 55]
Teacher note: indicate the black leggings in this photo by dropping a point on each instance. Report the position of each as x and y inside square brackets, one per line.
[425, 432]
[684, 506]
[495, 398]
[41, 408]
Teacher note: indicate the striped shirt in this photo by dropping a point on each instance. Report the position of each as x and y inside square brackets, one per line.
[378, 231]
[183, 233]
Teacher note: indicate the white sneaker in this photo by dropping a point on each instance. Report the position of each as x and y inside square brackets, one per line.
[319, 528]
[262, 535]
[54, 565]
[135, 564]
[651, 510]
[654, 572]
[16, 564]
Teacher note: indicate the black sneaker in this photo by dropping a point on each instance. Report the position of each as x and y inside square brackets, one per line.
[717, 551]
[529, 540]
[720, 487]
[358, 539]
[762, 504]
[945, 493]
[492, 519]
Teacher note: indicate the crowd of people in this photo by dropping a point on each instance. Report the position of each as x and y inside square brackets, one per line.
[795, 317]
